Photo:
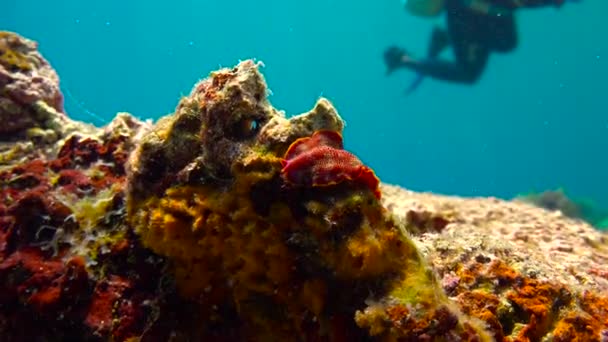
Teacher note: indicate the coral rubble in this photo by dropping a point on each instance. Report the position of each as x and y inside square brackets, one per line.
[227, 221]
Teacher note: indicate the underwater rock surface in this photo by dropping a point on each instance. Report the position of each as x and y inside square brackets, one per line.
[227, 221]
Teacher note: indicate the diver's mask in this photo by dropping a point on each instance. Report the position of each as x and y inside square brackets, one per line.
[424, 8]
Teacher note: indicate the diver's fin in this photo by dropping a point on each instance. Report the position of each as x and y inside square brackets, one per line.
[415, 84]
[439, 41]
[393, 58]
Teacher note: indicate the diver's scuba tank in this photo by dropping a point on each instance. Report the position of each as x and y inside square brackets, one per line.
[424, 8]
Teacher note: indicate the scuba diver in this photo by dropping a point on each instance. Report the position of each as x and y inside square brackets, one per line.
[475, 28]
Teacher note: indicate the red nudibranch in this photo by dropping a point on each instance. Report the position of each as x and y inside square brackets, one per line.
[320, 160]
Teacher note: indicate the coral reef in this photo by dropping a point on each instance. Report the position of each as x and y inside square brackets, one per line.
[580, 208]
[228, 221]
[31, 103]
[66, 257]
[530, 274]
[554, 200]
[25, 78]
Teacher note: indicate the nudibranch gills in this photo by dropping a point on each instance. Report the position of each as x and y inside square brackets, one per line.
[320, 160]
[319, 138]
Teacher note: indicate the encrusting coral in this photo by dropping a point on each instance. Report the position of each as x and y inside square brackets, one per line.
[227, 221]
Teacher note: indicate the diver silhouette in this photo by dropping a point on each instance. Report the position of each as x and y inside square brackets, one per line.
[474, 29]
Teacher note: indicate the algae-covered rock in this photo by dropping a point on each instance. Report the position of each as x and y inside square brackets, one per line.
[31, 103]
[531, 274]
[228, 221]
[25, 78]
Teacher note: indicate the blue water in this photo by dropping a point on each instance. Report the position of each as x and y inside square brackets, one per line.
[538, 118]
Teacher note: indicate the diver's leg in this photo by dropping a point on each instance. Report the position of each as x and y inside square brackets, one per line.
[467, 37]
[467, 68]
[396, 57]
[438, 42]
[470, 52]
[462, 70]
